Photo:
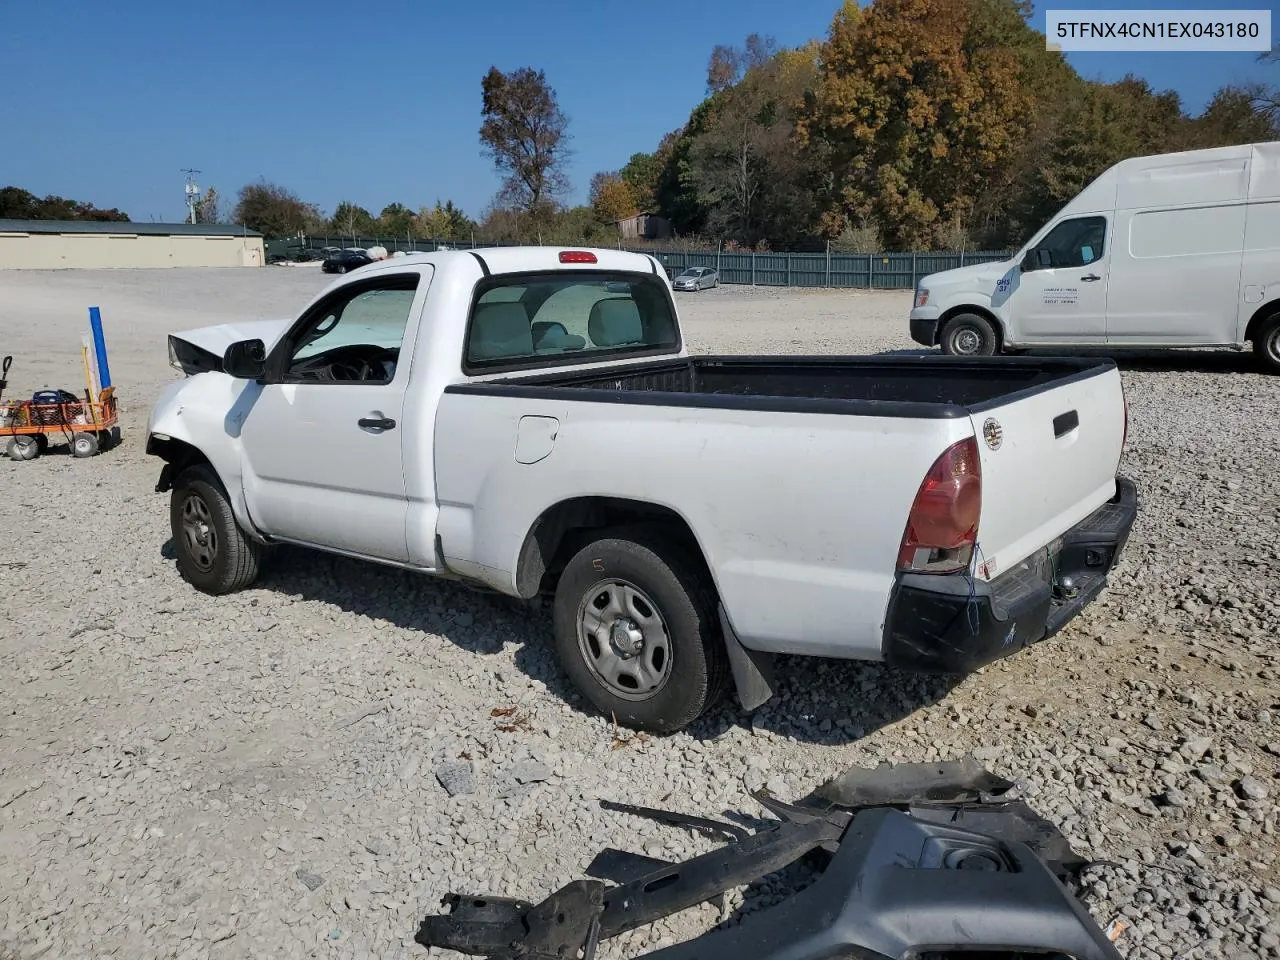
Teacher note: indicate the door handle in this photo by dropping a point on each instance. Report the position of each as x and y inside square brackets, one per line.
[1090, 277]
[376, 423]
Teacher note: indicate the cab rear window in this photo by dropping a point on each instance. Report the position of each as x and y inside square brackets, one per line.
[569, 318]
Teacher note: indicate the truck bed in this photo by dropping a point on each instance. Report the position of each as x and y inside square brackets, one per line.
[899, 386]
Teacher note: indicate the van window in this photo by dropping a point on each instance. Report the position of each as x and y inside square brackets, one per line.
[1074, 243]
[1192, 232]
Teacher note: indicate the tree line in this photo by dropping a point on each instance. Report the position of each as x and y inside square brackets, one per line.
[275, 211]
[19, 204]
[913, 124]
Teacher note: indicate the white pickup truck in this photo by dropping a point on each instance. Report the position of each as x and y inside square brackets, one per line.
[530, 419]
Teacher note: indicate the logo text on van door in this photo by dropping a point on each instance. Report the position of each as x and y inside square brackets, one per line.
[1061, 295]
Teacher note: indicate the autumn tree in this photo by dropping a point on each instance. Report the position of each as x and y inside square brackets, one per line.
[1104, 124]
[525, 134]
[917, 103]
[641, 173]
[351, 220]
[751, 180]
[208, 208]
[728, 65]
[1226, 114]
[611, 198]
[275, 211]
[917, 123]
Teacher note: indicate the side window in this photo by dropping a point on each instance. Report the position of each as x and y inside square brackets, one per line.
[355, 337]
[1073, 243]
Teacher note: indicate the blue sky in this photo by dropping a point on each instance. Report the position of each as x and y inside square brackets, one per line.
[380, 101]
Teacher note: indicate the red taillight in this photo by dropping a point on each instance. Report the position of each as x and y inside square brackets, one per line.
[943, 524]
[577, 256]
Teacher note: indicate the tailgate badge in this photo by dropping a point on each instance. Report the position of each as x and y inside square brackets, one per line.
[993, 433]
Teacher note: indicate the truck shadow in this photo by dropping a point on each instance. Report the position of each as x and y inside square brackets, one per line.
[1154, 361]
[478, 621]
[817, 701]
[830, 702]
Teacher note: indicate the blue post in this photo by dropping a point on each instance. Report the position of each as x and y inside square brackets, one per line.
[100, 347]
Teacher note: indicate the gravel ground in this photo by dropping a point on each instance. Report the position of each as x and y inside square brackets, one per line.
[305, 768]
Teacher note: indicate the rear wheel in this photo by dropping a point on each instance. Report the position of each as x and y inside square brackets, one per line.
[636, 630]
[214, 555]
[84, 445]
[969, 335]
[1266, 343]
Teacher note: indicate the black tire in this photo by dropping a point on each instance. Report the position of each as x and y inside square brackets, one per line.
[1266, 343]
[695, 664]
[108, 439]
[23, 448]
[969, 335]
[84, 444]
[214, 555]
[342, 269]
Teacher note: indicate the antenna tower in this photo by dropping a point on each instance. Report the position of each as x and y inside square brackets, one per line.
[193, 193]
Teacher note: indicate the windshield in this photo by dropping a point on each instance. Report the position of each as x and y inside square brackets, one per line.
[692, 272]
[570, 318]
[375, 317]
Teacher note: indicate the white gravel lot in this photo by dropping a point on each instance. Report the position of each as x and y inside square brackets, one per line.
[177, 771]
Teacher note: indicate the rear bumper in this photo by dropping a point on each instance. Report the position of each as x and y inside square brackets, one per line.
[956, 625]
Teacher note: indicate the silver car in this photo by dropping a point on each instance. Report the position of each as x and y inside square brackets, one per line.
[697, 278]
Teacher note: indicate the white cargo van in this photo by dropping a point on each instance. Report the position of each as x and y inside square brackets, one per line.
[1174, 250]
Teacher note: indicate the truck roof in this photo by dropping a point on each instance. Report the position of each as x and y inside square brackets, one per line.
[499, 260]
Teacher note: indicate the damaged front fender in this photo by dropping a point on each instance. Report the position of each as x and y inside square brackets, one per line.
[190, 423]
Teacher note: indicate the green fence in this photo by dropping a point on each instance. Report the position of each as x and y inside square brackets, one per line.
[871, 271]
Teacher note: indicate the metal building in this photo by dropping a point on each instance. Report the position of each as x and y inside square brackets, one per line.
[90, 244]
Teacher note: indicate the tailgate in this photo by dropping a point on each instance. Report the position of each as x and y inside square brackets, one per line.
[1049, 459]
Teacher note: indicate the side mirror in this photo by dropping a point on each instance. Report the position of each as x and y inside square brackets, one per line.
[1028, 262]
[245, 360]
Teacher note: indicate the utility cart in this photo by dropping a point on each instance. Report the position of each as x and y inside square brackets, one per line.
[58, 416]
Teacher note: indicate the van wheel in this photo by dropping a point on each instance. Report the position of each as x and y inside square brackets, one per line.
[1266, 343]
[636, 630]
[214, 555]
[969, 335]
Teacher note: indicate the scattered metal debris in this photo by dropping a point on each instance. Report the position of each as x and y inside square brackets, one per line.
[914, 857]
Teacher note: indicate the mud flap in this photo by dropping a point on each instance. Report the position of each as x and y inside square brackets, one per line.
[752, 670]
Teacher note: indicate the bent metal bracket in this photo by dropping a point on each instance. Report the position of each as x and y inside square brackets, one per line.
[914, 859]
